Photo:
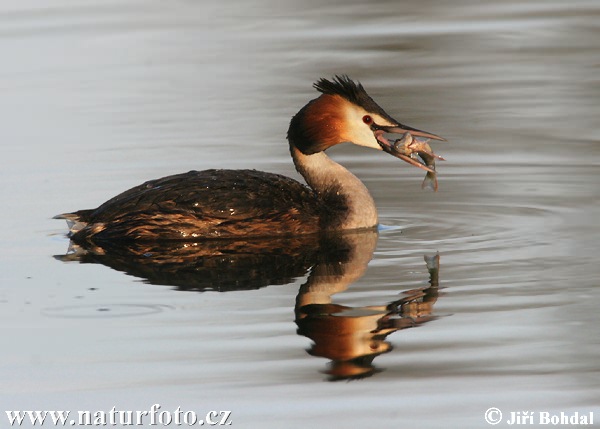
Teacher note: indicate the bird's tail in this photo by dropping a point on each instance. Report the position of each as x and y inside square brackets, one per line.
[75, 221]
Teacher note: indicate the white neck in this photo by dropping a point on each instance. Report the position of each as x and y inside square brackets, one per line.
[327, 279]
[325, 175]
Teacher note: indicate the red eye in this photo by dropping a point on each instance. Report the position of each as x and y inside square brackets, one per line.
[367, 119]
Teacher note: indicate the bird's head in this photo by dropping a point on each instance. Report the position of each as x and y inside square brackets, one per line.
[344, 112]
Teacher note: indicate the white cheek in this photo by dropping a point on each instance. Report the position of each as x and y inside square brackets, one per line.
[366, 138]
[360, 133]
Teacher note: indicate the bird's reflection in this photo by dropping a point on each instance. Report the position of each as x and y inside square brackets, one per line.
[220, 265]
[351, 337]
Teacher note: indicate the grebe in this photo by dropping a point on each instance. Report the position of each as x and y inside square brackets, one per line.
[250, 203]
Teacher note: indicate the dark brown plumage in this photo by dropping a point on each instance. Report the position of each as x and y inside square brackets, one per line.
[191, 205]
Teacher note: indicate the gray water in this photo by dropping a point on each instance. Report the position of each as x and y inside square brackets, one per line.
[101, 96]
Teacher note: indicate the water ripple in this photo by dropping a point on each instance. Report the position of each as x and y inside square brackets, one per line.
[103, 311]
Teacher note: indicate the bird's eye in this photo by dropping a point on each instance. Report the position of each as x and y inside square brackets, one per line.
[367, 119]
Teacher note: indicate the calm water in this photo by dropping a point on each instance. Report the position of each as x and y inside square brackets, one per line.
[100, 96]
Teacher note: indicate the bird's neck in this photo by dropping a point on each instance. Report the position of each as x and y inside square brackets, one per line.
[328, 178]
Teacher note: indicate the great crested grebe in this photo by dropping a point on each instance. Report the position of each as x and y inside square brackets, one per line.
[250, 203]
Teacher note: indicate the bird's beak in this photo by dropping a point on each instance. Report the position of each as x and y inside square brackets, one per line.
[387, 146]
[401, 129]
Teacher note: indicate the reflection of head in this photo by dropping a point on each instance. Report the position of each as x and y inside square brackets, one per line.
[351, 337]
[360, 367]
[350, 340]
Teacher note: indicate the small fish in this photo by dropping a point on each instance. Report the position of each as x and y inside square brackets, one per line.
[421, 155]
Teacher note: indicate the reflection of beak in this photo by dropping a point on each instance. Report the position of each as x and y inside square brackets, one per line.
[380, 130]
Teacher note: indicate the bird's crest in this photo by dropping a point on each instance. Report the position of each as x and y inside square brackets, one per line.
[352, 91]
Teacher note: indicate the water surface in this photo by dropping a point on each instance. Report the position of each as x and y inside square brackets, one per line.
[101, 96]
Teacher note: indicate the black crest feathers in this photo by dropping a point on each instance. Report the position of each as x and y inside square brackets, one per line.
[343, 86]
[352, 91]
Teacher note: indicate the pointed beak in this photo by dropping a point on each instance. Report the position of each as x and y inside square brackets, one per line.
[401, 129]
[392, 149]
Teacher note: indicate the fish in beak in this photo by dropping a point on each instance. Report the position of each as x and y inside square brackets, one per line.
[410, 148]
